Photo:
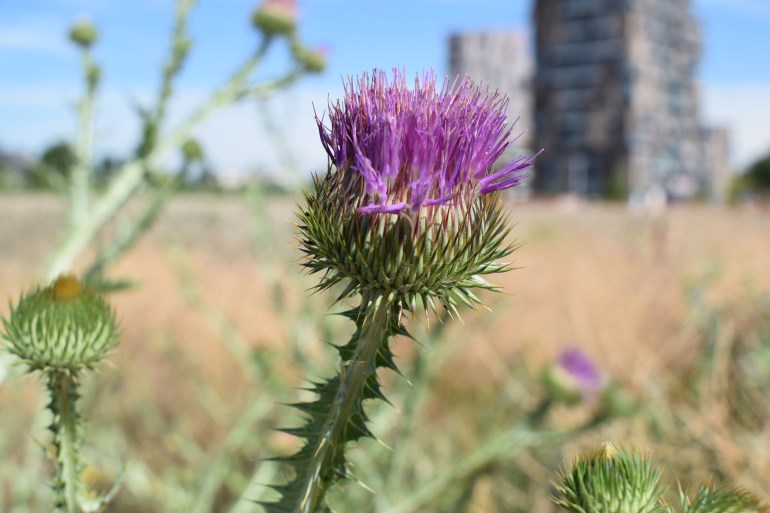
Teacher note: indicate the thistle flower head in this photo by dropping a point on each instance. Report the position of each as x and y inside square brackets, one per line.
[406, 207]
[420, 147]
[63, 327]
[275, 17]
[614, 480]
[573, 377]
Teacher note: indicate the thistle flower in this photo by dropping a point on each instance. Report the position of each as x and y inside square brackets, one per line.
[404, 214]
[573, 377]
[407, 205]
[275, 17]
[63, 327]
[611, 480]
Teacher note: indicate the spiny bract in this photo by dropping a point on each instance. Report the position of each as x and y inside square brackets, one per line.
[611, 480]
[62, 327]
[407, 206]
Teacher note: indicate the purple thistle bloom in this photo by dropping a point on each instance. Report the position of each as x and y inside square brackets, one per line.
[420, 147]
[581, 370]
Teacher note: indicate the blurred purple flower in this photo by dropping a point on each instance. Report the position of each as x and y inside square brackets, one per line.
[420, 147]
[581, 370]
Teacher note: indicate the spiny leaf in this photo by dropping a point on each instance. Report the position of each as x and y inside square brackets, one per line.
[336, 416]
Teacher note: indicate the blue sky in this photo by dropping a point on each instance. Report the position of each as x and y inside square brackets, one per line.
[39, 77]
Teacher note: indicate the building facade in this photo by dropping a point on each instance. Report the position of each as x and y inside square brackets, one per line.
[616, 102]
[501, 61]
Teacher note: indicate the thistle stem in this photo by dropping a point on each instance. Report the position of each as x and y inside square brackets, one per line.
[337, 416]
[80, 184]
[63, 387]
[132, 174]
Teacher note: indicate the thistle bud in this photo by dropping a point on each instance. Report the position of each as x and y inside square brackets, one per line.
[614, 480]
[573, 377]
[83, 33]
[313, 60]
[63, 327]
[93, 74]
[275, 17]
[405, 209]
[192, 150]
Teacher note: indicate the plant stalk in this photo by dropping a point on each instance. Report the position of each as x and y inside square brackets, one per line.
[80, 185]
[353, 374]
[67, 440]
[132, 174]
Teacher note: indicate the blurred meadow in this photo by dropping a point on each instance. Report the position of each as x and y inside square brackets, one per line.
[220, 327]
[191, 232]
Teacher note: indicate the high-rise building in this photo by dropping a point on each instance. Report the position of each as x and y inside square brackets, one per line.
[615, 100]
[501, 61]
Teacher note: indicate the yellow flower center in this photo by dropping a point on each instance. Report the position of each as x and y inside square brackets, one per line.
[66, 287]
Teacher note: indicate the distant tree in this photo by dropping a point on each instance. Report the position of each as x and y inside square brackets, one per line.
[758, 175]
[106, 169]
[53, 167]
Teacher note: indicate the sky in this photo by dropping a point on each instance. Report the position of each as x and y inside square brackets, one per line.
[40, 78]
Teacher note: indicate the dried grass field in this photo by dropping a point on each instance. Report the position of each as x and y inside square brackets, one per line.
[218, 279]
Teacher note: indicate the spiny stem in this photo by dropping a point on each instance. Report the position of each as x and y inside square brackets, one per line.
[353, 374]
[63, 387]
[336, 416]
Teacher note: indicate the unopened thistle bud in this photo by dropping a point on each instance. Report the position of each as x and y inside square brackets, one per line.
[83, 33]
[611, 480]
[192, 150]
[406, 209]
[573, 377]
[275, 17]
[63, 327]
[313, 60]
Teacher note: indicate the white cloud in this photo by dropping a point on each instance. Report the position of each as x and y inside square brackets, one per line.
[745, 111]
[39, 35]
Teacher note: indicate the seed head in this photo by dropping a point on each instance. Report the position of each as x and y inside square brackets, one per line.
[63, 327]
[406, 207]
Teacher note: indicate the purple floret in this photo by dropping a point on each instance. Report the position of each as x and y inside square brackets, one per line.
[575, 363]
[420, 147]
